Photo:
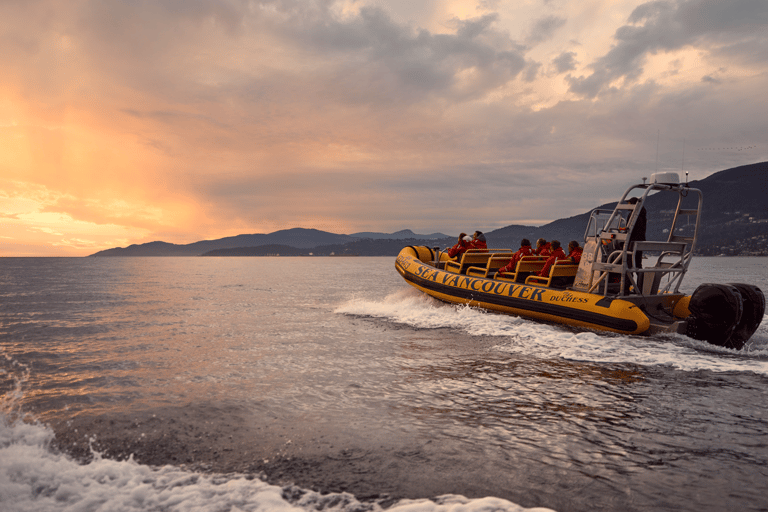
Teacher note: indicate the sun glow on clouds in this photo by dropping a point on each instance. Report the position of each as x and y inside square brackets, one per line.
[30, 229]
[68, 184]
[127, 122]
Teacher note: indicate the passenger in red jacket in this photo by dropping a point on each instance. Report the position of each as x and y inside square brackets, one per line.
[524, 250]
[574, 251]
[461, 246]
[557, 254]
[543, 248]
[478, 241]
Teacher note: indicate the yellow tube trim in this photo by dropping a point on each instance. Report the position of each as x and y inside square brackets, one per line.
[545, 304]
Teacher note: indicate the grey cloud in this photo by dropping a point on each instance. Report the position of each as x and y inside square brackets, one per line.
[588, 86]
[475, 27]
[566, 61]
[488, 5]
[160, 48]
[531, 71]
[665, 26]
[544, 28]
[727, 20]
[388, 60]
[164, 47]
[143, 27]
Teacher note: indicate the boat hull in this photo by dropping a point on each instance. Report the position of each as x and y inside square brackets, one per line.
[545, 304]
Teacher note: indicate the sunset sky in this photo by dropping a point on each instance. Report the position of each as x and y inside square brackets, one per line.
[128, 121]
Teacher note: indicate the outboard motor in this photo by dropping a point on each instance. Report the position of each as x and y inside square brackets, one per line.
[725, 314]
[754, 309]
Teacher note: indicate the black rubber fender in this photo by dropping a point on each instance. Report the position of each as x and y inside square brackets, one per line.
[754, 309]
[716, 310]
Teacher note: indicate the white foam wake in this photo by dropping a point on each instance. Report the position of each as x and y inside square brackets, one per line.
[35, 478]
[409, 307]
[519, 335]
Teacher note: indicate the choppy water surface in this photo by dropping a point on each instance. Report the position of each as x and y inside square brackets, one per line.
[329, 383]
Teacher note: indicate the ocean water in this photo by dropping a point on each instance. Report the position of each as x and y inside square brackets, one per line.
[239, 384]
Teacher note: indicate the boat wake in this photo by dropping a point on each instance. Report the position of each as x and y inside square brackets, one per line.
[527, 337]
[409, 307]
[36, 477]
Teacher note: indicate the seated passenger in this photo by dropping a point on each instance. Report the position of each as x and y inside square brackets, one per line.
[461, 246]
[543, 248]
[557, 254]
[574, 251]
[478, 241]
[524, 250]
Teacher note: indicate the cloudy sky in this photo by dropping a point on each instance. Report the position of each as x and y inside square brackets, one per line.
[127, 121]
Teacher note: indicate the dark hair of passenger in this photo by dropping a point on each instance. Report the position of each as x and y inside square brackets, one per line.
[525, 242]
[555, 244]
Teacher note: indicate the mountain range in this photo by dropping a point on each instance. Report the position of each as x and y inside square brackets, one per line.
[734, 217]
[297, 238]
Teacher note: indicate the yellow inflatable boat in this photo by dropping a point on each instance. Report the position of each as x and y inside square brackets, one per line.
[605, 291]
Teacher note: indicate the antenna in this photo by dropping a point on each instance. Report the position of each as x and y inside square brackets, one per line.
[683, 167]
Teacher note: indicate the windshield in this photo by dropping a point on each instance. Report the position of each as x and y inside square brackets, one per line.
[598, 223]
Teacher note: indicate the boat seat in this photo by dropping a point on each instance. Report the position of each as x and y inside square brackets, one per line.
[525, 267]
[561, 269]
[495, 262]
[473, 257]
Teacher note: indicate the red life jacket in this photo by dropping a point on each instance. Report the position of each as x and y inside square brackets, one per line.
[575, 254]
[524, 250]
[557, 254]
[544, 250]
[459, 249]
